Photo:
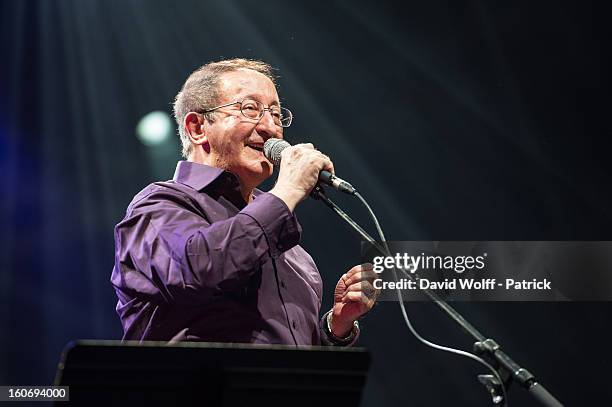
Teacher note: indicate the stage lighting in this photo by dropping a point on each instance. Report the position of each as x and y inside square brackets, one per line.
[154, 128]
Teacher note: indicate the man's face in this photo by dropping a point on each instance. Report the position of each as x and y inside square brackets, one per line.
[236, 142]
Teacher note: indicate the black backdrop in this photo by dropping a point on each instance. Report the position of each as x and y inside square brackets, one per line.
[458, 120]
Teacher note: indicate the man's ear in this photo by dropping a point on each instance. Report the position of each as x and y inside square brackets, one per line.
[194, 127]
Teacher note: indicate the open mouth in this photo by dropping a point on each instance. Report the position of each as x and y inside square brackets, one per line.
[258, 147]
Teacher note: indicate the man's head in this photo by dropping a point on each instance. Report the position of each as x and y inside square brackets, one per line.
[225, 137]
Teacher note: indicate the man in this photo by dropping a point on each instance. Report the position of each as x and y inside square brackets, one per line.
[207, 256]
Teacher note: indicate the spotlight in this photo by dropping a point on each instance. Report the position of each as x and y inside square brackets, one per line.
[154, 128]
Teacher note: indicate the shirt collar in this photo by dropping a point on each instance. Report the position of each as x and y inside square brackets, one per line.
[197, 176]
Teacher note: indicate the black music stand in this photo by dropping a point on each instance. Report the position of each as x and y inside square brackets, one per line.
[211, 374]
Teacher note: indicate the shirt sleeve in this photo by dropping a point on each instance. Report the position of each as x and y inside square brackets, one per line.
[327, 338]
[168, 251]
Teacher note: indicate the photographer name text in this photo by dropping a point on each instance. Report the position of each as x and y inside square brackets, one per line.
[462, 284]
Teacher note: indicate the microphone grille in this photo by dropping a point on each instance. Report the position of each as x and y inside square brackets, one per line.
[273, 148]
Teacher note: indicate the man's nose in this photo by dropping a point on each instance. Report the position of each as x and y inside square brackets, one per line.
[267, 128]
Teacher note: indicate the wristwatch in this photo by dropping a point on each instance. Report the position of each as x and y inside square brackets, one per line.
[335, 339]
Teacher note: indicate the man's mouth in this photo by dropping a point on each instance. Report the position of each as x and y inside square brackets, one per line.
[256, 146]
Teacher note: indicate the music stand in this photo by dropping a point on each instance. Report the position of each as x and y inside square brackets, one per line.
[211, 374]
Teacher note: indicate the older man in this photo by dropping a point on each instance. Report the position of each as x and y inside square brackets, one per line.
[207, 256]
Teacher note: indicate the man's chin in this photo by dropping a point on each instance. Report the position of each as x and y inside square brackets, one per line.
[265, 171]
[253, 175]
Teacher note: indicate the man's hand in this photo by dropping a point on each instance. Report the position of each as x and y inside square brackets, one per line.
[354, 296]
[299, 173]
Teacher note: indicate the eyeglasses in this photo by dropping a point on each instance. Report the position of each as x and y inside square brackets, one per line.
[254, 110]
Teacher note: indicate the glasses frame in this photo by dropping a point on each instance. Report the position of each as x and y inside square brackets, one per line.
[262, 112]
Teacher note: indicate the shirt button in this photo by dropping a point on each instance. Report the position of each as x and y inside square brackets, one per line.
[294, 324]
[282, 284]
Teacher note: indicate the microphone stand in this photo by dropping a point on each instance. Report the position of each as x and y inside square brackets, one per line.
[506, 367]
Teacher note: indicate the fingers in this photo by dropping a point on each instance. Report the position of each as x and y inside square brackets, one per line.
[309, 146]
[358, 297]
[359, 286]
[364, 287]
[328, 165]
[322, 161]
[361, 277]
[299, 173]
[318, 159]
[360, 273]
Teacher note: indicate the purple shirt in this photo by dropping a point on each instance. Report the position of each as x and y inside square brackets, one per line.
[194, 262]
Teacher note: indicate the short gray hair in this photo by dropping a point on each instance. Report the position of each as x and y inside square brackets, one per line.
[201, 91]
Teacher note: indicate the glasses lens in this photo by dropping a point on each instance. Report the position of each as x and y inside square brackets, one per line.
[286, 117]
[251, 109]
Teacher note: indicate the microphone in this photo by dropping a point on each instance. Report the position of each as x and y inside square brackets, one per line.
[273, 148]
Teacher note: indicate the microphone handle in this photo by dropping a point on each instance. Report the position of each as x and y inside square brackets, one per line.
[330, 179]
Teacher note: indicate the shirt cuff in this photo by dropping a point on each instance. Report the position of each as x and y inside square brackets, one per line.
[329, 339]
[279, 225]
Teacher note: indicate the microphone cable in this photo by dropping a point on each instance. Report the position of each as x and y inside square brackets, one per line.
[409, 322]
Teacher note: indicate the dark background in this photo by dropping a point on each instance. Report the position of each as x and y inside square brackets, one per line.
[458, 120]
